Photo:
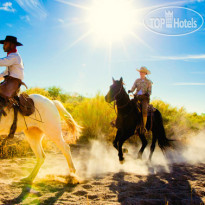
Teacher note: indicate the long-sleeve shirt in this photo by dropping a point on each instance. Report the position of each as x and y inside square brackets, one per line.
[14, 66]
[142, 86]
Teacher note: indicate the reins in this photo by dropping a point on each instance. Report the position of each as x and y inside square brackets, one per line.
[115, 97]
[118, 92]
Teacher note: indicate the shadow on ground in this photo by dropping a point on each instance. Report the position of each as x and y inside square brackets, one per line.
[34, 193]
[163, 188]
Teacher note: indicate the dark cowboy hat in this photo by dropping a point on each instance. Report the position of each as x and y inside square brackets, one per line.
[12, 39]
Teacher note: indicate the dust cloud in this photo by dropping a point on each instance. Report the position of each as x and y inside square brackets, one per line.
[99, 158]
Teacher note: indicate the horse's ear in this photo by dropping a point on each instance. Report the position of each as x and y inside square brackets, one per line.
[113, 80]
[121, 80]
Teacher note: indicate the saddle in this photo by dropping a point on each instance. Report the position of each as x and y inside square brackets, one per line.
[26, 105]
[20, 103]
[150, 111]
[151, 108]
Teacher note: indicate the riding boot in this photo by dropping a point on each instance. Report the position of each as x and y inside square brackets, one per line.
[2, 106]
[145, 122]
[14, 125]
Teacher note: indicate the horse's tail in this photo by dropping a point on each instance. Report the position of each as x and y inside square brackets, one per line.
[75, 128]
[163, 141]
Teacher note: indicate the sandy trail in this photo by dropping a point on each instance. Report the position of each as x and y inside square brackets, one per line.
[104, 179]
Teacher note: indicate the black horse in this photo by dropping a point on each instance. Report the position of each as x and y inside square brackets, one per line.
[129, 119]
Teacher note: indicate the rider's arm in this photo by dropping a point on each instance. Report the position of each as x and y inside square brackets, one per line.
[134, 86]
[2, 76]
[7, 61]
[149, 88]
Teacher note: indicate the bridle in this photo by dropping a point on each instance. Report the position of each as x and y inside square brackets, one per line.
[115, 96]
[115, 99]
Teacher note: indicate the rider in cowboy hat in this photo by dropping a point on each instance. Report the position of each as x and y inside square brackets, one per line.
[12, 77]
[14, 73]
[143, 88]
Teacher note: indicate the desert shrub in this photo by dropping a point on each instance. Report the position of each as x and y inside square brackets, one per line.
[95, 115]
[177, 121]
[16, 149]
[36, 90]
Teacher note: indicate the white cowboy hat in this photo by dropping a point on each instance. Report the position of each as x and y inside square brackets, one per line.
[143, 69]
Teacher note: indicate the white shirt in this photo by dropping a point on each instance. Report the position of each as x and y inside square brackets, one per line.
[14, 66]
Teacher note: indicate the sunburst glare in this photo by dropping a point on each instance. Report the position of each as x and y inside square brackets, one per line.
[111, 20]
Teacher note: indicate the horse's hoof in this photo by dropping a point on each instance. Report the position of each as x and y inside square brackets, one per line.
[122, 161]
[151, 170]
[74, 179]
[125, 150]
[72, 170]
[139, 157]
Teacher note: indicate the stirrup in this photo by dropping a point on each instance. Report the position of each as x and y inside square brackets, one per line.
[113, 123]
[146, 132]
[143, 130]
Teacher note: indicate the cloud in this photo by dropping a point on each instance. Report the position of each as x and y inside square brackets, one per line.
[25, 18]
[186, 57]
[7, 6]
[73, 4]
[33, 7]
[61, 21]
[189, 83]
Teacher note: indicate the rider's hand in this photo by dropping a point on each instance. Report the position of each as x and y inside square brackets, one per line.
[129, 91]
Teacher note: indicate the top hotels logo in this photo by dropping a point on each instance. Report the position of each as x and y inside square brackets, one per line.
[173, 21]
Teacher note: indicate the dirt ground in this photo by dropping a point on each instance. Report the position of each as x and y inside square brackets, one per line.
[103, 180]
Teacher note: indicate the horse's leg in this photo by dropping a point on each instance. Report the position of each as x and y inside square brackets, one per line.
[120, 153]
[56, 136]
[115, 142]
[144, 144]
[65, 149]
[121, 141]
[34, 136]
[152, 148]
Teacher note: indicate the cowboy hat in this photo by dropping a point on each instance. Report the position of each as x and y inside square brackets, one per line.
[11, 39]
[143, 69]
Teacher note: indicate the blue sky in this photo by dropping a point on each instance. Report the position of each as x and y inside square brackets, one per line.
[59, 51]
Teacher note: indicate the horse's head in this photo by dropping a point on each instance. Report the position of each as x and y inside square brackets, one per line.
[115, 90]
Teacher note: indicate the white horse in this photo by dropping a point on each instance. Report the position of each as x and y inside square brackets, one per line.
[34, 129]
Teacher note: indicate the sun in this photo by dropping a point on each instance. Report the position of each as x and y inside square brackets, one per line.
[111, 20]
[108, 23]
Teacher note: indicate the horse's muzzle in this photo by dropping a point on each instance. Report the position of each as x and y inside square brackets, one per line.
[108, 98]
